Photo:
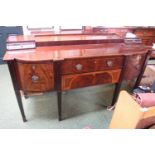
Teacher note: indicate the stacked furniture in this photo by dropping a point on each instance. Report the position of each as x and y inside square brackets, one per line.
[146, 34]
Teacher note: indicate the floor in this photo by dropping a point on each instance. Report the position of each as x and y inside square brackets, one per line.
[82, 108]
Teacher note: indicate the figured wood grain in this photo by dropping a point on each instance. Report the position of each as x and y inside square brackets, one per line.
[75, 51]
[91, 58]
[89, 79]
[91, 64]
[64, 67]
[147, 35]
[42, 71]
[134, 66]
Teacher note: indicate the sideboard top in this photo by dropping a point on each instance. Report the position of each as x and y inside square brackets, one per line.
[75, 51]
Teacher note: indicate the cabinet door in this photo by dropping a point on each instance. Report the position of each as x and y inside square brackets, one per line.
[5, 31]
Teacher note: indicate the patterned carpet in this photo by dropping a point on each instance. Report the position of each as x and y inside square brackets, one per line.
[149, 76]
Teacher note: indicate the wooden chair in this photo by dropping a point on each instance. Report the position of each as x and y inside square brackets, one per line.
[128, 114]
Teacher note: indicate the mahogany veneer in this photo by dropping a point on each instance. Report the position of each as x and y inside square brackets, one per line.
[66, 67]
[146, 34]
[89, 79]
[91, 64]
[35, 77]
[134, 66]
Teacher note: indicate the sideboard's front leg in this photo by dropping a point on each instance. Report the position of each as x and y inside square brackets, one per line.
[20, 104]
[57, 70]
[59, 95]
[118, 85]
[116, 93]
[16, 88]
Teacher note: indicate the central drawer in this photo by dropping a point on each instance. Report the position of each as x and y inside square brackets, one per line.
[76, 66]
[36, 77]
[89, 79]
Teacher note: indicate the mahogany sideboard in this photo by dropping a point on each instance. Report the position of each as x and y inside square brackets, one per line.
[70, 62]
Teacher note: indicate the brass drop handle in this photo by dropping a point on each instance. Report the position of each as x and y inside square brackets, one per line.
[110, 63]
[35, 78]
[79, 67]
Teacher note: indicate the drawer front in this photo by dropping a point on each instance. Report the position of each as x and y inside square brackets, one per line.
[134, 66]
[76, 66]
[36, 77]
[89, 79]
[108, 63]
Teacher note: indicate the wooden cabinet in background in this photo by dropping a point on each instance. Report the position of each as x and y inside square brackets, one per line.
[146, 34]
